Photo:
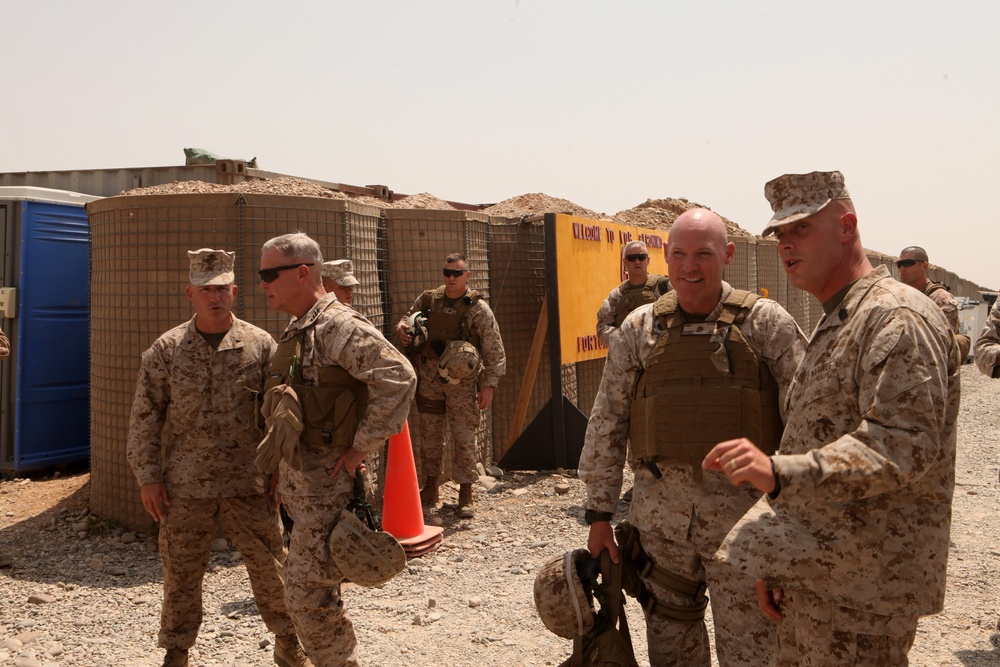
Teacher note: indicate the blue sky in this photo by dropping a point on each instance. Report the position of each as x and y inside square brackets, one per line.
[605, 104]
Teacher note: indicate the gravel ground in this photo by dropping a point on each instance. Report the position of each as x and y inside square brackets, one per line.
[82, 593]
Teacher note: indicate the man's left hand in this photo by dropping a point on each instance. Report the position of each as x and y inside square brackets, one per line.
[485, 397]
[741, 461]
[350, 460]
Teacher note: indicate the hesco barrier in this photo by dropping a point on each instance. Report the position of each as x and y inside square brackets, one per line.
[139, 268]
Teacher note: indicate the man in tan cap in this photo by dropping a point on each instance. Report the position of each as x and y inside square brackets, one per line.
[355, 390]
[850, 544]
[913, 265]
[641, 288]
[192, 440]
[338, 279]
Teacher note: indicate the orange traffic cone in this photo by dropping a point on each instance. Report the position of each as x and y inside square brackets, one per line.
[402, 515]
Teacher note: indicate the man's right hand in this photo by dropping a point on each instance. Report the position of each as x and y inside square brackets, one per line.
[601, 537]
[404, 333]
[155, 500]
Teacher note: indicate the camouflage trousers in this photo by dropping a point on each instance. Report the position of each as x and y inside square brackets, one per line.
[312, 582]
[186, 535]
[819, 633]
[461, 414]
[741, 629]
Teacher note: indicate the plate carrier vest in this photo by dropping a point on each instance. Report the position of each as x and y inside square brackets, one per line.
[331, 410]
[445, 323]
[684, 405]
[634, 296]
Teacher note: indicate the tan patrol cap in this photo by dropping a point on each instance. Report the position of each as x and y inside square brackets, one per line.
[796, 196]
[340, 271]
[211, 267]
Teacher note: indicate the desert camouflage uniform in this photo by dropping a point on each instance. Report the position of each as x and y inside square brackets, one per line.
[609, 307]
[987, 347]
[858, 535]
[461, 409]
[681, 519]
[335, 335]
[945, 301]
[194, 427]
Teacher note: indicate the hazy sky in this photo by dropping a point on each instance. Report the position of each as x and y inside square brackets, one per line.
[602, 103]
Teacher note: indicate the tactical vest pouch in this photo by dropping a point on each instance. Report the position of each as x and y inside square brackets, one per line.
[330, 415]
[686, 422]
[609, 644]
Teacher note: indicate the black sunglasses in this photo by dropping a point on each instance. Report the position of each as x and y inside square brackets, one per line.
[271, 274]
[639, 257]
[906, 262]
[453, 273]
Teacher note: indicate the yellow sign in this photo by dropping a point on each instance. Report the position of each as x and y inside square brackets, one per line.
[589, 260]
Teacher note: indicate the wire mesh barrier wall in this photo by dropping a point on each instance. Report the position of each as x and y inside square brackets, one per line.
[517, 254]
[417, 242]
[139, 268]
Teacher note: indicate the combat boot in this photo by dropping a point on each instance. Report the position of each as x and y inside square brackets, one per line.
[176, 657]
[288, 652]
[465, 501]
[429, 494]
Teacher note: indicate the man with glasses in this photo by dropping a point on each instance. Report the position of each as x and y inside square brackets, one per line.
[641, 288]
[703, 360]
[912, 265]
[192, 437]
[850, 544]
[459, 365]
[354, 391]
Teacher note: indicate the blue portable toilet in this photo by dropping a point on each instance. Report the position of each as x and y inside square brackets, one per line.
[45, 312]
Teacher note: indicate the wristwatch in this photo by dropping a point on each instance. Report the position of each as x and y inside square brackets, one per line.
[590, 516]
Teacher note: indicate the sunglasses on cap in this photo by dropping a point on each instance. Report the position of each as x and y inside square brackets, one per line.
[453, 273]
[638, 257]
[271, 274]
[906, 262]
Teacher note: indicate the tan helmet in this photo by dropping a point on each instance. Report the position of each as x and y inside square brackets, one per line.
[564, 594]
[460, 361]
[416, 326]
[366, 557]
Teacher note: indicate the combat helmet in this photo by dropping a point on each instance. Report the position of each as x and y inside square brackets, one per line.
[460, 361]
[416, 326]
[367, 557]
[564, 593]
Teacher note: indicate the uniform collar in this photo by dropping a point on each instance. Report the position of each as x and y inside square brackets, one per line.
[852, 300]
[312, 314]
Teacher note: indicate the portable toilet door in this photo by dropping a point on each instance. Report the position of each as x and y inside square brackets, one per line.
[45, 312]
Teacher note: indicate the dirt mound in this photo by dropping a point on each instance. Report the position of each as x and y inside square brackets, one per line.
[422, 200]
[288, 186]
[536, 204]
[661, 213]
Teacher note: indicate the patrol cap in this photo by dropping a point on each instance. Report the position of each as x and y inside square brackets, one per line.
[796, 196]
[211, 267]
[340, 271]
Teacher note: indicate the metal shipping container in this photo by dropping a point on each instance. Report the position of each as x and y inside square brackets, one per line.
[44, 306]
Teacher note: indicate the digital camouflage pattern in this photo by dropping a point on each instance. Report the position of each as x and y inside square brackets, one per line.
[194, 427]
[563, 603]
[867, 461]
[340, 336]
[335, 336]
[609, 307]
[987, 347]
[340, 271]
[211, 267]
[4, 346]
[683, 516]
[185, 541]
[461, 407]
[194, 420]
[796, 196]
[946, 302]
